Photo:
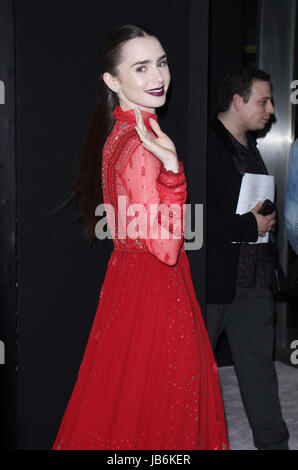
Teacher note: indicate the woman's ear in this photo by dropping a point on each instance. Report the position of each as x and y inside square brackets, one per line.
[111, 82]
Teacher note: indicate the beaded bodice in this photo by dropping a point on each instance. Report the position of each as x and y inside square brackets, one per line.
[135, 184]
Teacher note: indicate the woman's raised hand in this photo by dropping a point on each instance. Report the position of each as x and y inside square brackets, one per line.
[162, 147]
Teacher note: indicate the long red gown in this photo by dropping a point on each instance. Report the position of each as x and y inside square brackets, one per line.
[148, 378]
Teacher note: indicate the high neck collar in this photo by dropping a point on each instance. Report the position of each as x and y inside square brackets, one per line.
[129, 116]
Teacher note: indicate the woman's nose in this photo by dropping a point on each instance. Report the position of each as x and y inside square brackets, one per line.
[157, 74]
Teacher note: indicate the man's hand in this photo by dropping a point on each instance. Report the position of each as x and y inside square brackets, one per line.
[265, 222]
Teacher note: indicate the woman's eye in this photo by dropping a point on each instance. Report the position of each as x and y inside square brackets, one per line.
[164, 63]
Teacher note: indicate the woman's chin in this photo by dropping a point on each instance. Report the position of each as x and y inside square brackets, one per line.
[156, 102]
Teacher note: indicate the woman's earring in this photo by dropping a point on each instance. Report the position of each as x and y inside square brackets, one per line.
[116, 90]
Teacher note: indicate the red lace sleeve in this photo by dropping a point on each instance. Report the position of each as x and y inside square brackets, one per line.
[162, 193]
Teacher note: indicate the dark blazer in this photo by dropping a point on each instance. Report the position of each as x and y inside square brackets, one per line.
[223, 225]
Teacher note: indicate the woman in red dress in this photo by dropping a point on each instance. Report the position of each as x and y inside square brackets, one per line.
[148, 378]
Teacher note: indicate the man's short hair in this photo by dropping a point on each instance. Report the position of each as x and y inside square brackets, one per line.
[238, 81]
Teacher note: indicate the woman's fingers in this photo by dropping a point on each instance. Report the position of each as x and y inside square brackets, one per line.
[142, 131]
[161, 146]
[140, 120]
[155, 127]
[145, 137]
[149, 143]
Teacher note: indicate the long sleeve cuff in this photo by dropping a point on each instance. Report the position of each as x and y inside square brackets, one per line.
[171, 179]
[172, 186]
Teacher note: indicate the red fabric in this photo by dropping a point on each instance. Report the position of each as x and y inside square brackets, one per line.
[148, 378]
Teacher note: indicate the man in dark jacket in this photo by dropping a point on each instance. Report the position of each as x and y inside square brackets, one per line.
[239, 299]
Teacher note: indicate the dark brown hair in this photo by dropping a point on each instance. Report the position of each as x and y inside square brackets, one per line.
[238, 81]
[88, 179]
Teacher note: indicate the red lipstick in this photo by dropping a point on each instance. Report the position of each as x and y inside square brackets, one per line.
[156, 91]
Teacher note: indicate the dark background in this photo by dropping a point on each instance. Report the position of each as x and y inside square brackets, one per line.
[59, 276]
[50, 277]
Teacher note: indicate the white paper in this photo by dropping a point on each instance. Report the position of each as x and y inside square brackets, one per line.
[255, 188]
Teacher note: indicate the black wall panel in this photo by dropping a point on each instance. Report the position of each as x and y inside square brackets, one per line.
[226, 46]
[197, 133]
[8, 255]
[226, 50]
[50, 278]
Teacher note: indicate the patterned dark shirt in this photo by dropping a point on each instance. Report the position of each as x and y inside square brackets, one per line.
[254, 259]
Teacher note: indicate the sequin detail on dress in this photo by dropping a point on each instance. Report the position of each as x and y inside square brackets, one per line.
[148, 379]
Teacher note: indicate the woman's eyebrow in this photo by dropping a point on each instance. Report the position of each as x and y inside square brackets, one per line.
[143, 62]
[162, 57]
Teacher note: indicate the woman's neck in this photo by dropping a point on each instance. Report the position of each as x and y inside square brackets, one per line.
[130, 107]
